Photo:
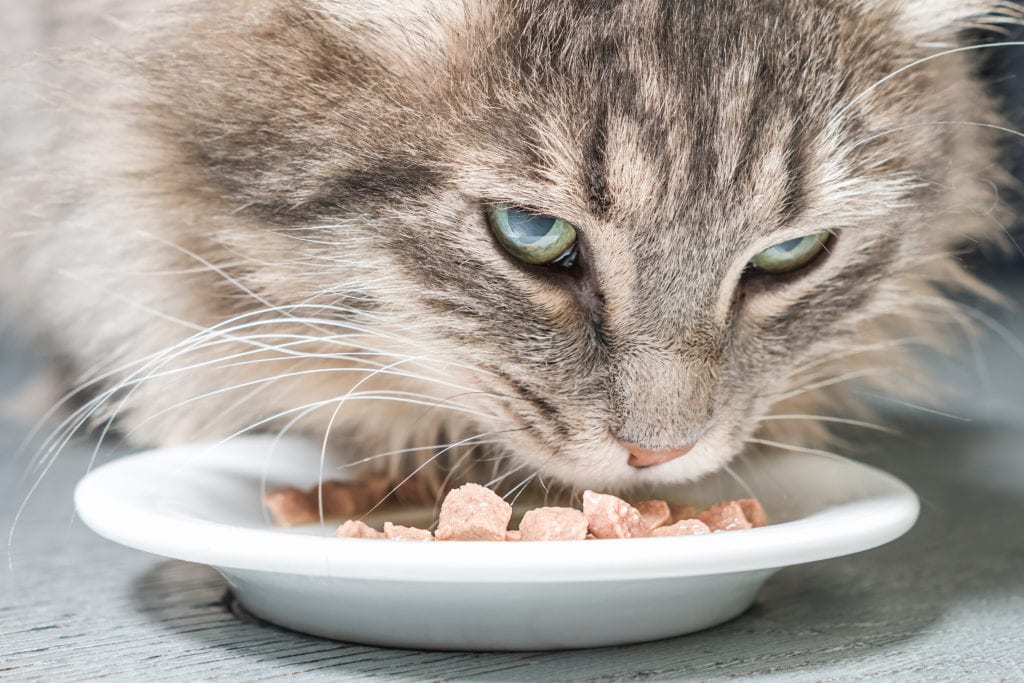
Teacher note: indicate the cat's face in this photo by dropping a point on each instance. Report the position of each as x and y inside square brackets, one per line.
[680, 139]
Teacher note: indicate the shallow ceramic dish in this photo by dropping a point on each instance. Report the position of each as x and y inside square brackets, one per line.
[201, 503]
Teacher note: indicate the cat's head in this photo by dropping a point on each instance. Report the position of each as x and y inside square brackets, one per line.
[640, 222]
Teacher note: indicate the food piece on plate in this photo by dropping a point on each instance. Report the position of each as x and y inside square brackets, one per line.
[684, 527]
[375, 487]
[553, 524]
[513, 535]
[753, 511]
[406, 533]
[353, 528]
[290, 506]
[342, 499]
[681, 512]
[725, 516]
[656, 512]
[612, 517]
[473, 513]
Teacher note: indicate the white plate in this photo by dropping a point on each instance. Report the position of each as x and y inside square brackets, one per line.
[201, 503]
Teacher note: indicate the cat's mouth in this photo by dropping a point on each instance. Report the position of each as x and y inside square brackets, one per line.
[640, 457]
[602, 462]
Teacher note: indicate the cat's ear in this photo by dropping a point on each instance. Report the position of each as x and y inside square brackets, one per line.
[943, 18]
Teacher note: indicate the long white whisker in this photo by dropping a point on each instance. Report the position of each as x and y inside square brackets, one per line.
[521, 488]
[830, 418]
[877, 84]
[402, 451]
[923, 124]
[915, 406]
[451, 474]
[303, 373]
[204, 333]
[991, 323]
[79, 417]
[791, 447]
[746, 487]
[496, 481]
[167, 358]
[330, 425]
[426, 462]
[845, 377]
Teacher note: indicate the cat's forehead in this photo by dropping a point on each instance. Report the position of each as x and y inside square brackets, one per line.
[666, 114]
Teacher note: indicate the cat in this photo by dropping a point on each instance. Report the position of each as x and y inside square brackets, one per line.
[600, 243]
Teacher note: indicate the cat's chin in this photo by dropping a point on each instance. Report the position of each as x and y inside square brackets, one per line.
[605, 467]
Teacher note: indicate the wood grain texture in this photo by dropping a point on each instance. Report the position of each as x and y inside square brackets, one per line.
[943, 603]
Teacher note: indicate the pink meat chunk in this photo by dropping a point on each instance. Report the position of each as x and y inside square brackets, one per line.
[406, 533]
[681, 512]
[341, 498]
[290, 506]
[655, 512]
[725, 516]
[355, 529]
[473, 513]
[753, 511]
[513, 535]
[553, 524]
[375, 488]
[685, 527]
[612, 517]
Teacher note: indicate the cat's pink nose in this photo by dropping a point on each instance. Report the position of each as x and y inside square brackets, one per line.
[646, 457]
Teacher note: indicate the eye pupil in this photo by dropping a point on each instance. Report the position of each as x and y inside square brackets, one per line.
[790, 245]
[527, 227]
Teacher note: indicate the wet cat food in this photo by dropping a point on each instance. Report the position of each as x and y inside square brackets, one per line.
[341, 498]
[406, 533]
[684, 527]
[475, 513]
[655, 512]
[681, 512]
[356, 529]
[726, 516]
[611, 517]
[553, 524]
[291, 506]
[753, 511]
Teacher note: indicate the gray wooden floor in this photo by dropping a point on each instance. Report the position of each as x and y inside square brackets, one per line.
[945, 603]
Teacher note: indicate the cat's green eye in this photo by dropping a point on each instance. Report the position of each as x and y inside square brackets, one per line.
[790, 255]
[533, 238]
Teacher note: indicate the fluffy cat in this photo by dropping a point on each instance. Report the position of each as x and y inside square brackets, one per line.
[287, 214]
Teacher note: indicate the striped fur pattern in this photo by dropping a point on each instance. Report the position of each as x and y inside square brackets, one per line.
[268, 215]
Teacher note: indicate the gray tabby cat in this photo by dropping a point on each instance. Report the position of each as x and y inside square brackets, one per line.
[611, 242]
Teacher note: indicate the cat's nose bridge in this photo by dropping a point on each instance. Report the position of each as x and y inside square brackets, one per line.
[674, 297]
[661, 400]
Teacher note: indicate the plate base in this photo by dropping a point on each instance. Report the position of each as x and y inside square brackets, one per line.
[499, 616]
